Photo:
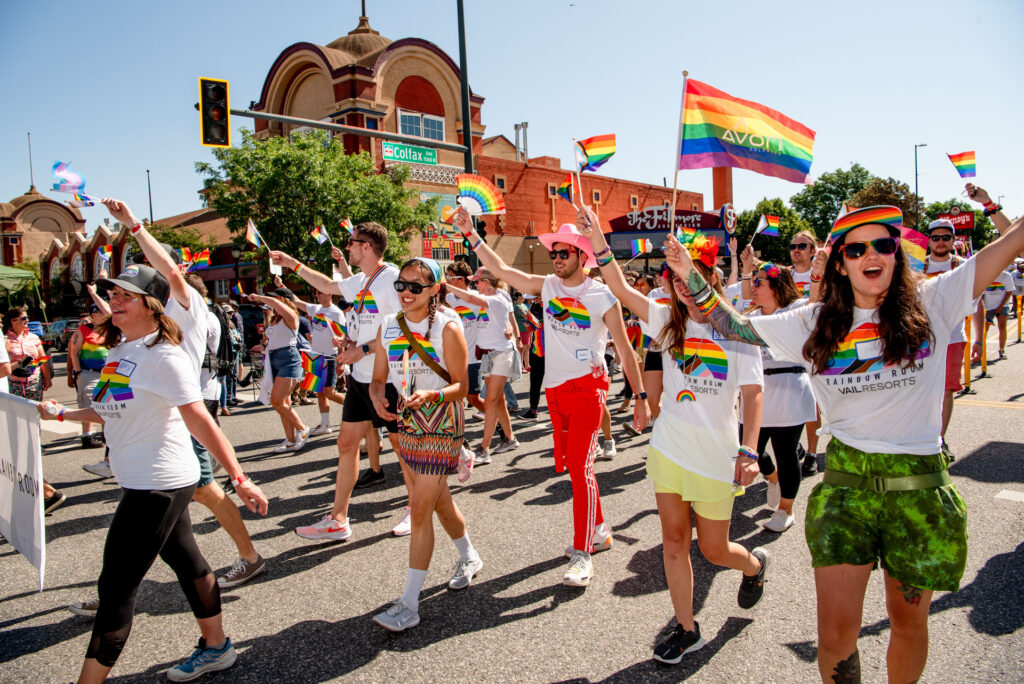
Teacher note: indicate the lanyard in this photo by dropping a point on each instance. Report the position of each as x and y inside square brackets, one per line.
[362, 295]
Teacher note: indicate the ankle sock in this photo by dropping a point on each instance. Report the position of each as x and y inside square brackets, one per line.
[465, 548]
[325, 419]
[413, 585]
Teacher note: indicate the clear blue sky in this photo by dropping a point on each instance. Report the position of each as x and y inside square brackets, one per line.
[110, 85]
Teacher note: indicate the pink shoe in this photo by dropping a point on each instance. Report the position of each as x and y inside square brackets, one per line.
[327, 528]
[404, 526]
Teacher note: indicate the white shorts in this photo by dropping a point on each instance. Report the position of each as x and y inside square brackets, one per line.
[85, 384]
[498, 362]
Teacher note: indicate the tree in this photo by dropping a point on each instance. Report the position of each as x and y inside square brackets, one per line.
[891, 191]
[819, 204]
[774, 249]
[288, 186]
[185, 236]
[983, 232]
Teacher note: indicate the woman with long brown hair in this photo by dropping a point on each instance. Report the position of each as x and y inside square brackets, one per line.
[875, 348]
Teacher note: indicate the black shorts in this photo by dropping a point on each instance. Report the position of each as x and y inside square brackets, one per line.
[358, 407]
[652, 362]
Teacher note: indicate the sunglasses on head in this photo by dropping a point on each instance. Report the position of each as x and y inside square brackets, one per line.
[562, 254]
[940, 238]
[799, 245]
[884, 246]
[415, 288]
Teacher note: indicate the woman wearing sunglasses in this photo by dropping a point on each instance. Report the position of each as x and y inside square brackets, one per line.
[421, 351]
[875, 348]
[24, 346]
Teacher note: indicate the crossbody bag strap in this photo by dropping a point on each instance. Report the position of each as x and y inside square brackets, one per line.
[418, 348]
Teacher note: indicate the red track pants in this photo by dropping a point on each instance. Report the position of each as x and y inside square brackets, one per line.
[576, 407]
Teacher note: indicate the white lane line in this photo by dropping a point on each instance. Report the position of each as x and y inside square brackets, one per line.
[1011, 495]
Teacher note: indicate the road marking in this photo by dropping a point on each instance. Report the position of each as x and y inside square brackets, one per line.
[992, 404]
[1011, 495]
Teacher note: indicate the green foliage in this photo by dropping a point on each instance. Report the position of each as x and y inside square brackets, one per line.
[891, 191]
[185, 236]
[819, 204]
[983, 232]
[32, 266]
[774, 249]
[289, 186]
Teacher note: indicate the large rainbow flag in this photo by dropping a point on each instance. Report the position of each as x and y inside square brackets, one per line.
[718, 129]
[915, 246]
[964, 163]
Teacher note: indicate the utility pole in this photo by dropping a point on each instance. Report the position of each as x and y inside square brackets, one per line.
[149, 186]
[917, 199]
[467, 127]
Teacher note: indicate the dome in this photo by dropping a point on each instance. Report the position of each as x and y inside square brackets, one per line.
[361, 40]
[29, 196]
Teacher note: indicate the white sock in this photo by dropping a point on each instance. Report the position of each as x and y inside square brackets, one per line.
[602, 530]
[325, 419]
[465, 548]
[413, 585]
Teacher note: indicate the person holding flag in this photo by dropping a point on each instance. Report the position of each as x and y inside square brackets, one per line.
[328, 335]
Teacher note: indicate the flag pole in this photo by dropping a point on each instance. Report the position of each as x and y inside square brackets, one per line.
[579, 181]
[679, 142]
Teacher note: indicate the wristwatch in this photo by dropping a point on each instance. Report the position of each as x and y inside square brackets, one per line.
[366, 349]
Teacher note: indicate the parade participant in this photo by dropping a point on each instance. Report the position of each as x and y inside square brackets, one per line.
[535, 322]
[457, 275]
[697, 464]
[875, 347]
[328, 324]
[495, 350]
[994, 311]
[373, 297]
[578, 314]
[87, 354]
[653, 371]
[5, 369]
[787, 401]
[421, 352]
[149, 400]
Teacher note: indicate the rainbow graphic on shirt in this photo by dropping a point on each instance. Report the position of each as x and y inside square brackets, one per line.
[365, 303]
[861, 352]
[114, 383]
[92, 356]
[398, 346]
[482, 316]
[569, 311]
[664, 300]
[466, 314]
[996, 287]
[702, 358]
[685, 395]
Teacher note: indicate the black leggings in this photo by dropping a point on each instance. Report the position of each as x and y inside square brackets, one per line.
[536, 380]
[147, 523]
[785, 441]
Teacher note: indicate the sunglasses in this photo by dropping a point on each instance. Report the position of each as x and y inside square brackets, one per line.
[452, 276]
[940, 238]
[415, 288]
[562, 254]
[352, 240]
[799, 245]
[21, 318]
[884, 246]
[756, 282]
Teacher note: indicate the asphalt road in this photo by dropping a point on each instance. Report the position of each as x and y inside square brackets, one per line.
[308, 619]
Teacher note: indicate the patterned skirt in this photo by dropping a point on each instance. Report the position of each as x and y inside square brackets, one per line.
[30, 388]
[430, 437]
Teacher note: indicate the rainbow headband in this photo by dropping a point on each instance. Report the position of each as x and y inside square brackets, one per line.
[888, 216]
[702, 248]
[433, 267]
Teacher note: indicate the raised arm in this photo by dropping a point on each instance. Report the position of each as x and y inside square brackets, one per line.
[733, 271]
[322, 282]
[466, 295]
[631, 298]
[641, 410]
[524, 282]
[102, 304]
[343, 267]
[997, 255]
[981, 196]
[746, 290]
[288, 315]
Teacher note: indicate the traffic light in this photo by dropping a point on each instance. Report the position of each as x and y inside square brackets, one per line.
[214, 113]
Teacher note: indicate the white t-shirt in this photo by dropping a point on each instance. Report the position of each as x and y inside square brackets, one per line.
[471, 324]
[865, 403]
[788, 399]
[493, 321]
[997, 290]
[193, 323]
[323, 330]
[421, 376]
[279, 335]
[1016, 271]
[137, 396]
[802, 282]
[698, 428]
[208, 380]
[369, 307]
[575, 334]
[734, 294]
[659, 295]
[4, 358]
[934, 267]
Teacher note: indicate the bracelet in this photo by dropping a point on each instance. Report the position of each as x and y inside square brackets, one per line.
[242, 478]
[989, 204]
[298, 265]
[995, 208]
[604, 261]
[440, 396]
[60, 416]
[477, 243]
[744, 277]
[136, 228]
[602, 252]
[748, 452]
[816, 279]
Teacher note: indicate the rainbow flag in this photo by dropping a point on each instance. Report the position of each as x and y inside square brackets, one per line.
[768, 225]
[718, 130]
[200, 261]
[964, 163]
[81, 200]
[565, 190]
[35, 363]
[185, 254]
[237, 289]
[105, 252]
[252, 236]
[915, 246]
[640, 246]
[315, 366]
[535, 326]
[336, 328]
[593, 152]
[320, 233]
[345, 224]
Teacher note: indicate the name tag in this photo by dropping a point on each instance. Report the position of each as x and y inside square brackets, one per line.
[125, 368]
[392, 332]
[583, 355]
[869, 349]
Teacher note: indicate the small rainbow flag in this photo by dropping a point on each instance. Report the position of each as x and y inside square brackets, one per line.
[105, 252]
[200, 260]
[238, 289]
[768, 225]
[35, 363]
[640, 246]
[315, 366]
[336, 328]
[320, 233]
[537, 328]
[915, 246]
[478, 195]
[964, 163]
[593, 152]
[252, 236]
[81, 200]
[345, 224]
[185, 254]
[565, 190]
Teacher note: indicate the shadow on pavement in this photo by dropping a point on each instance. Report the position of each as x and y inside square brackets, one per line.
[992, 462]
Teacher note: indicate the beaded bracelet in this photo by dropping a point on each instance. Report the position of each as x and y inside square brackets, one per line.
[748, 452]
[744, 277]
[604, 251]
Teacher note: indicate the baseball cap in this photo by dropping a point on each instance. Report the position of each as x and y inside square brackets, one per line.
[941, 223]
[284, 292]
[139, 279]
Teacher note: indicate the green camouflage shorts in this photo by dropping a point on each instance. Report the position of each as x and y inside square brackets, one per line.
[919, 537]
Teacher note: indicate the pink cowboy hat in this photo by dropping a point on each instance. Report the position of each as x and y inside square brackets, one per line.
[570, 236]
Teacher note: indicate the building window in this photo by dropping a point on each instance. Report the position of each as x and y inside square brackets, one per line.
[552, 189]
[693, 207]
[634, 201]
[597, 196]
[221, 289]
[13, 241]
[440, 254]
[499, 182]
[420, 125]
[78, 268]
[371, 124]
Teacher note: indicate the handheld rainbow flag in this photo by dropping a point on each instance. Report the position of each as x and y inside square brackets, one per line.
[238, 289]
[105, 252]
[593, 152]
[717, 129]
[185, 254]
[566, 190]
[768, 225]
[252, 236]
[964, 163]
[640, 246]
[478, 195]
[345, 224]
[315, 366]
[915, 246]
[337, 328]
[535, 327]
[81, 200]
[35, 363]
[320, 233]
[69, 181]
[200, 261]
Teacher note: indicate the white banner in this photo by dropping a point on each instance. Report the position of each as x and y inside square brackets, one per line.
[21, 480]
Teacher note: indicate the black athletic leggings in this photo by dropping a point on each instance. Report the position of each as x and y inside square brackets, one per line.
[785, 441]
[536, 380]
[147, 523]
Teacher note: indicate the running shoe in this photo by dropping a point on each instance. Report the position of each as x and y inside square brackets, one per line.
[466, 460]
[101, 469]
[204, 659]
[810, 466]
[506, 445]
[580, 570]
[1002, 355]
[774, 495]
[780, 521]
[751, 588]
[327, 528]
[241, 572]
[85, 608]
[398, 617]
[51, 502]
[464, 573]
[300, 440]
[284, 446]
[602, 542]
[481, 456]
[608, 452]
[528, 414]
[680, 642]
[477, 416]
[369, 478]
[321, 430]
[404, 526]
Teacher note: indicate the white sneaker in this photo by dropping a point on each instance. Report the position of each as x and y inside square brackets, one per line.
[398, 617]
[85, 608]
[780, 521]
[481, 456]
[774, 495]
[321, 430]
[466, 464]
[506, 445]
[580, 570]
[464, 573]
[609, 451]
[300, 440]
[602, 542]
[404, 526]
[101, 469]
[284, 446]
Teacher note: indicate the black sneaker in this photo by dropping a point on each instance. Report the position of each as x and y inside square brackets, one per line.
[751, 588]
[528, 414]
[51, 502]
[679, 643]
[810, 465]
[370, 477]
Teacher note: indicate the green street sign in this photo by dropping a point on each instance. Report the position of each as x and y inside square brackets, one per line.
[409, 153]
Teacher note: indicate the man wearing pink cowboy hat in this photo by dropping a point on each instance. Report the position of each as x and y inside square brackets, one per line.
[578, 315]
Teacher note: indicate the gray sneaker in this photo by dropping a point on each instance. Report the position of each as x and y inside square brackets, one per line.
[608, 452]
[464, 573]
[580, 570]
[241, 572]
[481, 456]
[398, 617]
[506, 445]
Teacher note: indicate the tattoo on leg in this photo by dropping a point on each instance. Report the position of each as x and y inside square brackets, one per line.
[912, 595]
[848, 671]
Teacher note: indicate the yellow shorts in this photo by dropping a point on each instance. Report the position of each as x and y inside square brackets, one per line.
[711, 499]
